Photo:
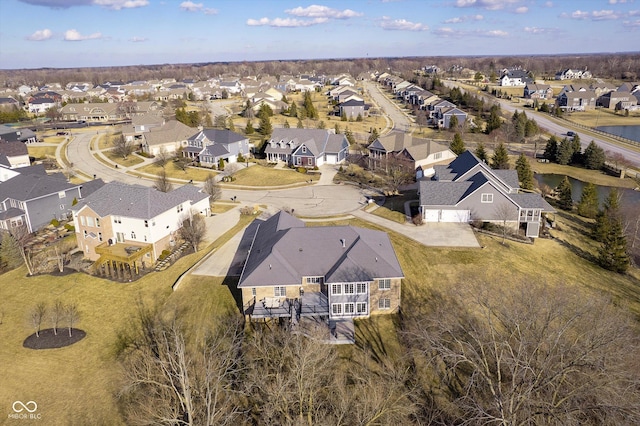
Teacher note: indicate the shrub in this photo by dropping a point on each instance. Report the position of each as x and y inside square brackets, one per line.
[247, 211]
[301, 170]
[417, 219]
[69, 227]
[55, 222]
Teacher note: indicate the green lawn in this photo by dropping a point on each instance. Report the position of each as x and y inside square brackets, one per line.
[196, 174]
[595, 176]
[267, 176]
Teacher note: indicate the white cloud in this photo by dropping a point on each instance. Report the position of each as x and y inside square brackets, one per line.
[285, 22]
[190, 6]
[402, 25]
[548, 4]
[486, 4]
[138, 39]
[450, 32]
[121, 4]
[538, 30]
[632, 24]
[522, 9]
[494, 33]
[317, 11]
[456, 20]
[620, 1]
[597, 15]
[466, 18]
[41, 35]
[73, 35]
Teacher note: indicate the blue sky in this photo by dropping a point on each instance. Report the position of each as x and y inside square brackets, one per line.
[91, 33]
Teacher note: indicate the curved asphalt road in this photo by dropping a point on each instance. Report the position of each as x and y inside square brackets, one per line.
[400, 121]
[552, 127]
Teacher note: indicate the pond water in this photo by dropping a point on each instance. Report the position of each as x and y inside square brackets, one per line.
[629, 196]
[629, 132]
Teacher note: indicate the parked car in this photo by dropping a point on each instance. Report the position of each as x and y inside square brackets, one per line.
[571, 134]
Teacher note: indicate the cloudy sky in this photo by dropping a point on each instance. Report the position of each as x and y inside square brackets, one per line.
[88, 33]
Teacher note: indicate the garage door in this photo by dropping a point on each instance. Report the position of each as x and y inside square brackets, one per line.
[332, 159]
[431, 215]
[460, 216]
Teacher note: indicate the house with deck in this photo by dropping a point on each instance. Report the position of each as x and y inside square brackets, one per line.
[126, 227]
[323, 275]
[209, 146]
[468, 190]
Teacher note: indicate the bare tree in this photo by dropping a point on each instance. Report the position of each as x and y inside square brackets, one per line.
[162, 157]
[121, 146]
[212, 188]
[16, 244]
[57, 314]
[163, 184]
[505, 212]
[36, 316]
[398, 173]
[528, 353]
[193, 230]
[171, 380]
[72, 315]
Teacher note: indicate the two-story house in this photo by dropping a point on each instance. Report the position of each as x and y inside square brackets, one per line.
[306, 147]
[209, 146]
[469, 190]
[128, 226]
[537, 91]
[329, 273]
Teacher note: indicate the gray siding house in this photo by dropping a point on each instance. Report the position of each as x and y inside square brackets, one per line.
[307, 147]
[210, 145]
[468, 190]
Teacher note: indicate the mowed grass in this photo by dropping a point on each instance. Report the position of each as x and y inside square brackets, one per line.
[130, 161]
[595, 176]
[79, 384]
[174, 172]
[393, 208]
[603, 117]
[268, 176]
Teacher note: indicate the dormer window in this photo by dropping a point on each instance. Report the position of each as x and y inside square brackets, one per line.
[304, 149]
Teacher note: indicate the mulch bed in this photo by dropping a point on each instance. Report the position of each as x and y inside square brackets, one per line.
[49, 340]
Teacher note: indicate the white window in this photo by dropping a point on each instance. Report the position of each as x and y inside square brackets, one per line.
[298, 161]
[99, 236]
[349, 288]
[336, 308]
[62, 194]
[361, 307]
[89, 221]
[253, 291]
[180, 208]
[279, 291]
[304, 149]
[437, 156]
[314, 280]
[98, 222]
[384, 284]
[146, 223]
[336, 289]
[487, 198]
[83, 221]
[117, 219]
[361, 288]
[384, 303]
[348, 308]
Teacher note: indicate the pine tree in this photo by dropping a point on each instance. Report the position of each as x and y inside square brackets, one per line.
[588, 205]
[525, 174]
[453, 122]
[565, 200]
[311, 111]
[494, 121]
[500, 158]
[10, 251]
[610, 210]
[576, 147]
[349, 136]
[286, 124]
[457, 144]
[265, 125]
[300, 125]
[373, 136]
[230, 125]
[249, 130]
[551, 149]
[565, 152]
[481, 153]
[336, 128]
[613, 253]
[593, 156]
[293, 109]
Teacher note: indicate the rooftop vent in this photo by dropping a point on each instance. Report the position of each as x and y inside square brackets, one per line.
[344, 242]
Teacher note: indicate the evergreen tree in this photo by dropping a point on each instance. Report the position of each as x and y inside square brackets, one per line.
[494, 121]
[286, 124]
[610, 211]
[343, 116]
[565, 152]
[551, 150]
[481, 153]
[576, 147]
[359, 117]
[500, 158]
[336, 128]
[565, 201]
[453, 122]
[230, 125]
[321, 125]
[311, 111]
[265, 125]
[531, 128]
[10, 251]
[593, 156]
[588, 205]
[373, 136]
[457, 144]
[525, 174]
[300, 125]
[265, 110]
[293, 110]
[544, 107]
[613, 253]
[519, 123]
[349, 136]
[249, 130]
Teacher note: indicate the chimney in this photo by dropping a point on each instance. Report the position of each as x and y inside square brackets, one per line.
[344, 242]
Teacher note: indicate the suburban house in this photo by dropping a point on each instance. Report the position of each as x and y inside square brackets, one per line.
[106, 112]
[352, 109]
[617, 100]
[421, 155]
[468, 190]
[33, 198]
[306, 147]
[11, 134]
[170, 137]
[328, 273]
[538, 91]
[14, 154]
[514, 78]
[122, 226]
[580, 100]
[443, 116]
[209, 146]
[570, 74]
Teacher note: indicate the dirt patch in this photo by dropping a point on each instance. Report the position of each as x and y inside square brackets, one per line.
[49, 340]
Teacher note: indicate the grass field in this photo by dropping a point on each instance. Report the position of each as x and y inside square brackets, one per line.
[41, 152]
[131, 159]
[78, 384]
[190, 173]
[594, 176]
[393, 208]
[267, 176]
[603, 117]
[53, 139]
